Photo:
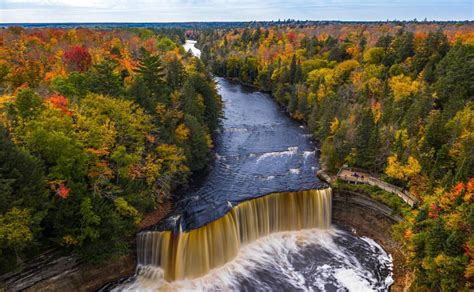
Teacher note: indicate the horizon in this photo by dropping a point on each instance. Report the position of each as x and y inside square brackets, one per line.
[179, 11]
[242, 21]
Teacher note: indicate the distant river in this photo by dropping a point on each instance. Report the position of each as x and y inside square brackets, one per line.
[189, 46]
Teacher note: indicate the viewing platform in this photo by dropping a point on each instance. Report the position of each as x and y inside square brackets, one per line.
[359, 176]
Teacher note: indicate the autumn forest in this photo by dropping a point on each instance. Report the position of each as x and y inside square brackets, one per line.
[99, 127]
[396, 99]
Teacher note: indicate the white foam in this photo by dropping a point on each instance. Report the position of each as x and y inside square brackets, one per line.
[294, 171]
[352, 281]
[307, 154]
[174, 218]
[273, 254]
[237, 130]
[291, 151]
[382, 257]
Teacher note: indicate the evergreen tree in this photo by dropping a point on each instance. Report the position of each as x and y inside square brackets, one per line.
[197, 147]
[103, 79]
[191, 103]
[175, 74]
[293, 70]
[455, 79]
[149, 86]
[364, 133]
[403, 46]
[23, 201]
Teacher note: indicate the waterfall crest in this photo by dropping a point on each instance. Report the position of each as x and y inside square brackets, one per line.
[187, 255]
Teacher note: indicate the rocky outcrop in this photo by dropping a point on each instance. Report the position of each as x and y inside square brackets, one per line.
[367, 217]
[53, 271]
[66, 273]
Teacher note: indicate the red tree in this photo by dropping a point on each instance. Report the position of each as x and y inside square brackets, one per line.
[77, 59]
[291, 36]
[60, 102]
[63, 191]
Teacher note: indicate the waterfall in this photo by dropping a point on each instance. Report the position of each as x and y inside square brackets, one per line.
[191, 254]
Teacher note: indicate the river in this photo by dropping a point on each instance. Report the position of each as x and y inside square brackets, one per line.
[258, 151]
[189, 46]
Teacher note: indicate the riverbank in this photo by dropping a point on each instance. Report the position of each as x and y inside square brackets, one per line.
[370, 217]
[55, 272]
[352, 210]
[367, 217]
[286, 147]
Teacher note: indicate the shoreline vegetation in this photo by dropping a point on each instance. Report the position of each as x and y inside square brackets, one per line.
[392, 98]
[358, 212]
[98, 127]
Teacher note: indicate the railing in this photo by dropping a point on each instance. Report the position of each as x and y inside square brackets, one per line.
[359, 176]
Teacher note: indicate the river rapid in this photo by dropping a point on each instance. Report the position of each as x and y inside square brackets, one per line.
[258, 151]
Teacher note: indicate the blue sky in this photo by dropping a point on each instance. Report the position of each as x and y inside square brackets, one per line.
[230, 10]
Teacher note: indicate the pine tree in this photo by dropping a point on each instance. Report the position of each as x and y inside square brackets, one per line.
[364, 133]
[151, 75]
[293, 70]
[197, 144]
[175, 74]
[103, 80]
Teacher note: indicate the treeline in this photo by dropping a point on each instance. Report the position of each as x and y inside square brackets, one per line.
[394, 99]
[96, 128]
[211, 25]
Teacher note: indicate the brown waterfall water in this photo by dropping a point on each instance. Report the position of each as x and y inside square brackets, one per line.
[259, 220]
[185, 255]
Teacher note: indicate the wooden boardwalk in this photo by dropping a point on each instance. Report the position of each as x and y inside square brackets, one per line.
[359, 176]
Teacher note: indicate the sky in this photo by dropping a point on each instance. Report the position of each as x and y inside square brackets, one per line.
[31, 11]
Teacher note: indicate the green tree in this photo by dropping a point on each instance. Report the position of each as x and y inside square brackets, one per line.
[175, 74]
[364, 140]
[74, 86]
[149, 87]
[455, 78]
[103, 79]
[295, 71]
[15, 234]
[197, 147]
[28, 104]
[430, 51]
[165, 44]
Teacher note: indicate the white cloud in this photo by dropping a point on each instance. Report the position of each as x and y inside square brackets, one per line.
[228, 10]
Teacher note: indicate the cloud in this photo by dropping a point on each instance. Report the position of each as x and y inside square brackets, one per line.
[229, 10]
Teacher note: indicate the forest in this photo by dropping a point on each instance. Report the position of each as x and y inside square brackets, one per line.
[396, 99]
[100, 126]
[97, 127]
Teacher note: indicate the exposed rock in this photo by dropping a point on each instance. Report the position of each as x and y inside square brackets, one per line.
[156, 215]
[372, 219]
[324, 176]
[52, 271]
